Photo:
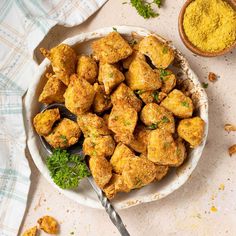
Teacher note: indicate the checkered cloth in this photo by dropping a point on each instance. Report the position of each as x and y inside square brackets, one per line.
[23, 24]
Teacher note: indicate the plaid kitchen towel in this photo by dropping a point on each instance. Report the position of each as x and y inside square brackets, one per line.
[23, 24]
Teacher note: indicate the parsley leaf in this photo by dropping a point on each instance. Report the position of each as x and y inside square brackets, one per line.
[158, 2]
[155, 95]
[153, 126]
[138, 92]
[114, 29]
[164, 73]
[165, 119]
[132, 42]
[205, 85]
[165, 50]
[66, 169]
[185, 104]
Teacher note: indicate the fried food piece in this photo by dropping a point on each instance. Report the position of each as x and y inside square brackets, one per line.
[31, 232]
[212, 77]
[229, 127]
[141, 76]
[181, 151]
[48, 224]
[101, 170]
[110, 77]
[162, 148]
[122, 119]
[168, 80]
[155, 116]
[160, 54]
[126, 62]
[79, 96]
[138, 172]
[63, 59]
[87, 69]
[102, 101]
[115, 185]
[105, 118]
[232, 150]
[99, 146]
[179, 104]
[111, 48]
[43, 122]
[124, 93]
[192, 130]
[53, 90]
[64, 135]
[152, 96]
[92, 125]
[120, 157]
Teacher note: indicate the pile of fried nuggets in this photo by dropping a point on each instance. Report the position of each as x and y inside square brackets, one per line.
[135, 123]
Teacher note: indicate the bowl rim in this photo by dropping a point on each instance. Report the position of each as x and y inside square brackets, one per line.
[32, 137]
[189, 44]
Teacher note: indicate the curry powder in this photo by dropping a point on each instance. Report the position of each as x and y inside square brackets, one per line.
[210, 25]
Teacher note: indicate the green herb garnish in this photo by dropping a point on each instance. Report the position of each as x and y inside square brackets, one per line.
[132, 42]
[110, 75]
[127, 123]
[165, 50]
[138, 92]
[155, 95]
[114, 29]
[153, 126]
[164, 73]
[205, 85]
[185, 104]
[165, 119]
[158, 2]
[66, 169]
[63, 137]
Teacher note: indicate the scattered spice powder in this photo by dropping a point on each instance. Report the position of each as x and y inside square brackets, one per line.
[210, 24]
[232, 150]
[212, 77]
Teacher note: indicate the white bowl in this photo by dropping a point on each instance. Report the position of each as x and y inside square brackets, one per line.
[85, 194]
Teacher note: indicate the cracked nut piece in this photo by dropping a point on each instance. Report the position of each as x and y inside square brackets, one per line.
[48, 224]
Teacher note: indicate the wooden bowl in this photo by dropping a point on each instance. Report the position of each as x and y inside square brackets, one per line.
[189, 44]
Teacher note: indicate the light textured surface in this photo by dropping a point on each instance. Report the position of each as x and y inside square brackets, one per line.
[188, 210]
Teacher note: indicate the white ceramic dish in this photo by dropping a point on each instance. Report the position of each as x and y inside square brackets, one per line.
[85, 195]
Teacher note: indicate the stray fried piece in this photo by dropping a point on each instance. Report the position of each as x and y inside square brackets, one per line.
[160, 54]
[87, 69]
[111, 48]
[53, 90]
[31, 232]
[64, 135]
[101, 170]
[79, 96]
[232, 150]
[192, 130]
[212, 77]
[151, 96]
[43, 122]
[179, 104]
[63, 59]
[230, 127]
[48, 224]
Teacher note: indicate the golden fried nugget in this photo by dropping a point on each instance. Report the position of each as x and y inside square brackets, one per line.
[48, 224]
[160, 54]
[168, 80]
[155, 116]
[43, 122]
[79, 96]
[53, 91]
[101, 170]
[110, 77]
[192, 130]
[63, 59]
[92, 125]
[152, 96]
[102, 101]
[112, 48]
[141, 76]
[179, 104]
[124, 93]
[64, 135]
[99, 146]
[126, 62]
[87, 69]
[31, 232]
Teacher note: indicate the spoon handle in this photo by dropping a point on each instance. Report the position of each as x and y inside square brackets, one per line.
[114, 216]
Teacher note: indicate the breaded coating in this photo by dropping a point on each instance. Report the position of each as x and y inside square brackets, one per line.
[120, 157]
[152, 96]
[168, 80]
[79, 96]
[181, 151]
[99, 146]
[162, 148]
[53, 91]
[124, 93]
[87, 69]
[102, 101]
[138, 172]
[112, 48]
[101, 170]
[92, 125]
[126, 62]
[155, 116]
[63, 59]
[31, 232]
[43, 122]
[115, 185]
[160, 54]
[105, 118]
[122, 119]
[141, 76]
[192, 130]
[64, 135]
[48, 224]
[110, 77]
[179, 104]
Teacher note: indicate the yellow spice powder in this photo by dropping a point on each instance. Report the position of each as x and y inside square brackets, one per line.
[210, 24]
